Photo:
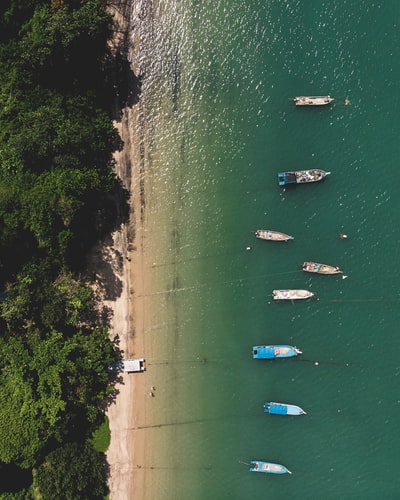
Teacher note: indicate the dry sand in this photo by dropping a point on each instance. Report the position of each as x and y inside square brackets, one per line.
[125, 256]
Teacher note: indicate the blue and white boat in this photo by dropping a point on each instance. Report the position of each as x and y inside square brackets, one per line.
[268, 467]
[282, 409]
[301, 176]
[274, 351]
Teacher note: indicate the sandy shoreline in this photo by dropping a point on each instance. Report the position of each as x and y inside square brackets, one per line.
[126, 448]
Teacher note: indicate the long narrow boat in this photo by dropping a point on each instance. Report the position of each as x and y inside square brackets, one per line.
[315, 267]
[292, 294]
[268, 467]
[301, 176]
[282, 409]
[313, 100]
[274, 351]
[267, 234]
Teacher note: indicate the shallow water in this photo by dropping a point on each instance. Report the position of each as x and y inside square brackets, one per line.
[219, 124]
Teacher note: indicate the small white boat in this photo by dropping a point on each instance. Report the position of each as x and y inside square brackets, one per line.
[266, 234]
[292, 294]
[315, 267]
[314, 100]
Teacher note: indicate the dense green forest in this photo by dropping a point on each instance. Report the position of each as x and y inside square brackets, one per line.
[58, 196]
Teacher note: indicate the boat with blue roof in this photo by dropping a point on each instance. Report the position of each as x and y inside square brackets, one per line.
[274, 351]
[268, 467]
[301, 176]
[282, 409]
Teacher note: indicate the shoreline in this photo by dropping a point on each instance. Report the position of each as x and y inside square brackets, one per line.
[126, 448]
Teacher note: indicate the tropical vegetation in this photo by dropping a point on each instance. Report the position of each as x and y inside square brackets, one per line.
[58, 196]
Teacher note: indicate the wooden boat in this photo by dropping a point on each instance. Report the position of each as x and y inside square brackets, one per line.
[266, 234]
[274, 351]
[282, 409]
[314, 267]
[291, 294]
[315, 100]
[301, 176]
[268, 467]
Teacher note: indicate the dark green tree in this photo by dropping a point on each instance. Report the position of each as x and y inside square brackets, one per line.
[72, 472]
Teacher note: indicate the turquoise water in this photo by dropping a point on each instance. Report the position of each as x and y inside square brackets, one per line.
[219, 124]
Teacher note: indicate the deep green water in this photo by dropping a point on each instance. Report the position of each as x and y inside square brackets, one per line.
[220, 124]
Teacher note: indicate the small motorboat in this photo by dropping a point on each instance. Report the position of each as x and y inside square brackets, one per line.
[301, 176]
[266, 234]
[314, 100]
[292, 294]
[315, 267]
[282, 409]
[274, 351]
[268, 467]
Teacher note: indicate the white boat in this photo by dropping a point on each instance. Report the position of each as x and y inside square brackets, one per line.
[314, 100]
[128, 366]
[266, 234]
[292, 294]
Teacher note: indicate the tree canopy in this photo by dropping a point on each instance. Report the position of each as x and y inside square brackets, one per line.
[58, 194]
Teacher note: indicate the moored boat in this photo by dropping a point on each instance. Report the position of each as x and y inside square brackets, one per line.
[268, 467]
[292, 294]
[274, 351]
[282, 409]
[315, 267]
[301, 176]
[313, 100]
[266, 234]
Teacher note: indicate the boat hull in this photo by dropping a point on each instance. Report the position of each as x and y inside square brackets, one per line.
[266, 234]
[315, 267]
[292, 294]
[274, 351]
[268, 467]
[282, 409]
[317, 100]
[301, 176]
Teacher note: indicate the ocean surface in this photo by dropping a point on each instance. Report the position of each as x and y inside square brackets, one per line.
[219, 123]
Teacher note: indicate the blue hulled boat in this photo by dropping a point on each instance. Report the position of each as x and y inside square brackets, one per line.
[282, 409]
[268, 467]
[274, 351]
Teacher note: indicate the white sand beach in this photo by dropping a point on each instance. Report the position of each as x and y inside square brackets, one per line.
[126, 257]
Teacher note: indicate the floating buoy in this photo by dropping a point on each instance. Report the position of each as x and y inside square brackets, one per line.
[343, 236]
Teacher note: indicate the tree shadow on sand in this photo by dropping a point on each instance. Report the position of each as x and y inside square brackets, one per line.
[128, 86]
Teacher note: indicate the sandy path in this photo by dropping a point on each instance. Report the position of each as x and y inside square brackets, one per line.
[126, 257]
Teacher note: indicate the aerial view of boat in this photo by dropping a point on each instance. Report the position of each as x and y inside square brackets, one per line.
[291, 294]
[314, 267]
[266, 234]
[314, 100]
[268, 467]
[274, 351]
[282, 409]
[301, 176]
